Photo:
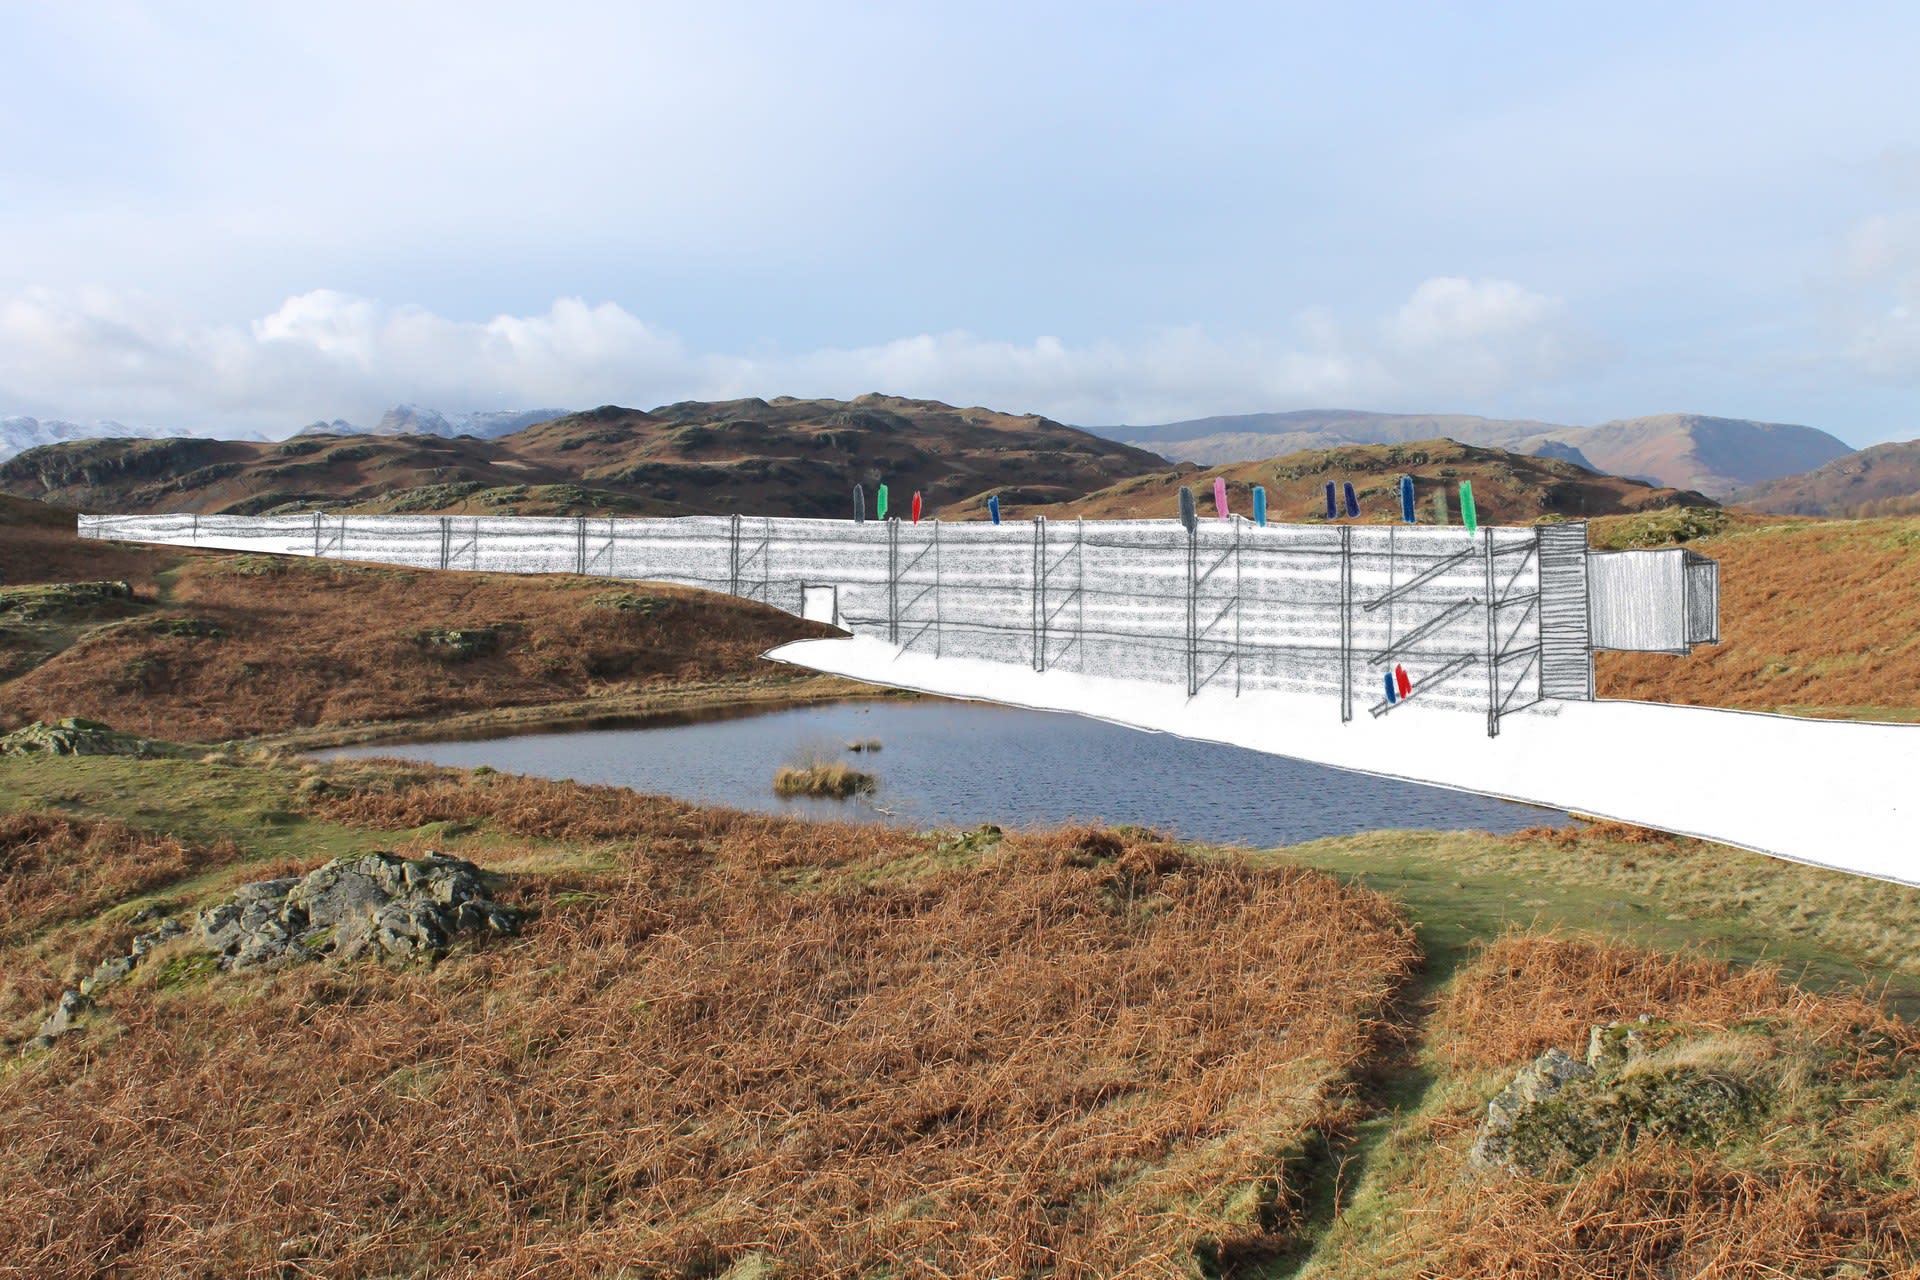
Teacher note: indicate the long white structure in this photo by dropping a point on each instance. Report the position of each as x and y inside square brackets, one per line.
[1376, 649]
[1366, 619]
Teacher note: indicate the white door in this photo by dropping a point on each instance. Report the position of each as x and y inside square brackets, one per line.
[820, 604]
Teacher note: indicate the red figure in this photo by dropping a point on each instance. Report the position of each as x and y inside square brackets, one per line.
[916, 506]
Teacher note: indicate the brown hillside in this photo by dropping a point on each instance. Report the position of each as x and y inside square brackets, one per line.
[784, 457]
[1508, 488]
[214, 646]
[1815, 617]
[1883, 480]
[1683, 450]
[736, 1042]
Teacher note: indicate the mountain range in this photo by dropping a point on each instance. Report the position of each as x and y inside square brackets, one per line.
[780, 457]
[1777, 467]
[18, 434]
[1714, 456]
[413, 420]
[1883, 480]
[1508, 488]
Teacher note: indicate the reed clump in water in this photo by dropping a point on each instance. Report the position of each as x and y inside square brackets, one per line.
[831, 779]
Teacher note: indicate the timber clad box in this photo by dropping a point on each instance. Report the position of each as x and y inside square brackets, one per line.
[1663, 601]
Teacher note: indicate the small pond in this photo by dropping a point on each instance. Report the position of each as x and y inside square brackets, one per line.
[956, 764]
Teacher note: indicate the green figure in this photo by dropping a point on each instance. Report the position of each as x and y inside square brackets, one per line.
[1468, 516]
[883, 502]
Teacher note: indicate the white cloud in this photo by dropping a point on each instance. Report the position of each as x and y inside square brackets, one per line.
[1880, 269]
[325, 353]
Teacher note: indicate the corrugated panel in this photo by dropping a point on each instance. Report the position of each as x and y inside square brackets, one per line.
[1566, 657]
[1703, 599]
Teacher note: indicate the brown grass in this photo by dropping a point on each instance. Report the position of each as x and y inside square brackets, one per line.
[1079, 1055]
[55, 868]
[308, 644]
[55, 872]
[39, 543]
[1673, 1211]
[829, 779]
[1529, 991]
[1813, 614]
[1824, 1183]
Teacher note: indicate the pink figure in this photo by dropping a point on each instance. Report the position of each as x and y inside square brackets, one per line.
[1220, 496]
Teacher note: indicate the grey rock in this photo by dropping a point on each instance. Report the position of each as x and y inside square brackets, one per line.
[392, 907]
[1536, 1082]
[62, 1020]
[106, 973]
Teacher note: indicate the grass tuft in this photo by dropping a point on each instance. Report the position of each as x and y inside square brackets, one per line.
[825, 779]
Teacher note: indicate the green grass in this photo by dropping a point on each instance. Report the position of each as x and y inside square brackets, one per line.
[251, 803]
[1460, 887]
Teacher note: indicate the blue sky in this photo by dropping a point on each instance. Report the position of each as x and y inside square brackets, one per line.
[259, 215]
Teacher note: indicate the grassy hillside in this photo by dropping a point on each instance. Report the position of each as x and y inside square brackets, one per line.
[1814, 620]
[1816, 617]
[1508, 488]
[1681, 450]
[209, 646]
[1883, 480]
[785, 457]
[734, 1045]
[1714, 455]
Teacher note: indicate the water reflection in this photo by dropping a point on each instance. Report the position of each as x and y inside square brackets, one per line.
[951, 764]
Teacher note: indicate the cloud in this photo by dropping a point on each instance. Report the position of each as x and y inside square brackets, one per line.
[325, 353]
[1880, 271]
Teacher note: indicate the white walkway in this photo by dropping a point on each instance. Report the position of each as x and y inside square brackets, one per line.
[1831, 793]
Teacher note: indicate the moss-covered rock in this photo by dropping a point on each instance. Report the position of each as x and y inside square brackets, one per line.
[52, 601]
[1560, 1112]
[78, 736]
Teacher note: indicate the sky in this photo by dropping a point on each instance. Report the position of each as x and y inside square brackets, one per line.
[257, 216]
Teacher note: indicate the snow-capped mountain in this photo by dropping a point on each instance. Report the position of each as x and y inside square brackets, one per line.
[17, 435]
[416, 420]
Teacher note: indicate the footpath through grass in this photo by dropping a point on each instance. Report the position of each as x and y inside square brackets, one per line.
[736, 1044]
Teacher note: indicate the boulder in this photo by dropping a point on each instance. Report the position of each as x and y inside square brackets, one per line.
[78, 736]
[395, 908]
[1560, 1112]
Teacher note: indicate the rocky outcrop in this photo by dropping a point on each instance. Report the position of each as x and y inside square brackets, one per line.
[73, 1002]
[394, 908]
[1538, 1081]
[78, 736]
[1560, 1112]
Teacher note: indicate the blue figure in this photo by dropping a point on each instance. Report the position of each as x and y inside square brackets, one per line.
[1353, 502]
[993, 508]
[1406, 499]
[1260, 506]
[1333, 512]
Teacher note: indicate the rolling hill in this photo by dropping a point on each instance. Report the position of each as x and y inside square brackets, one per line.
[781, 457]
[1682, 450]
[1509, 488]
[1883, 480]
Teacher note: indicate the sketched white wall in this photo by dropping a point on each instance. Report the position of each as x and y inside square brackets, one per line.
[1368, 617]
